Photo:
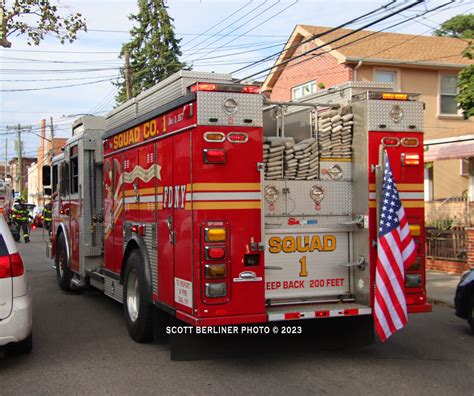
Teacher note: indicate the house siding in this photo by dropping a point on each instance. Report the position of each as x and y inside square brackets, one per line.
[323, 68]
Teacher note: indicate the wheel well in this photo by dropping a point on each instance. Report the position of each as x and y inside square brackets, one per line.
[131, 246]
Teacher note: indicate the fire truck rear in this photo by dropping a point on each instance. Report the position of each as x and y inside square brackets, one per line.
[202, 200]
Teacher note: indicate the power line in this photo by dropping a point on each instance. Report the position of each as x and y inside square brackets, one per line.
[56, 87]
[371, 34]
[350, 33]
[255, 27]
[218, 23]
[384, 7]
[226, 27]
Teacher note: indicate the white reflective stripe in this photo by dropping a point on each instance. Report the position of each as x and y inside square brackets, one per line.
[273, 317]
[403, 195]
[276, 317]
[225, 196]
[147, 198]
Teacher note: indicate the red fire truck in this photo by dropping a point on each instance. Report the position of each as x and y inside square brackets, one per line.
[175, 202]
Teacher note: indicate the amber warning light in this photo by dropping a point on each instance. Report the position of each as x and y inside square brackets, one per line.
[251, 89]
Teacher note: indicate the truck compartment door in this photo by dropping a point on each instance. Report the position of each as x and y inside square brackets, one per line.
[302, 264]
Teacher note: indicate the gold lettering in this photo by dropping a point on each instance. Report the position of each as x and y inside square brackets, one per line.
[315, 244]
[275, 245]
[152, 128]
[329, 242]
[288, 244]
[146, 130]
[302, 248]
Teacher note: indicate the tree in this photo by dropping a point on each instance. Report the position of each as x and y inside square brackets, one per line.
[35, 19]
[462, 26]
[153, 48]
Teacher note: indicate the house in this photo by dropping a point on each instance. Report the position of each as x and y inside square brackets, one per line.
[48, 148]
[15, 173]
[33, 184]
[427, 65]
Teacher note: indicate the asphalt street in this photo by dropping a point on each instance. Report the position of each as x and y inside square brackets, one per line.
[81, 346]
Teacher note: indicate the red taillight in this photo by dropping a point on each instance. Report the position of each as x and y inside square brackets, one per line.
[292, 315]
[390, 141]
[351, 312]
[203, 87]
[215, 253]
[17, 265]
[237, 137]
[410, 159]
[5, 267]
[214, 156]
[321, 314]
[11, 266]
[252, 89]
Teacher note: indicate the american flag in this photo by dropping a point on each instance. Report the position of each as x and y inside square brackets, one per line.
[395, 251]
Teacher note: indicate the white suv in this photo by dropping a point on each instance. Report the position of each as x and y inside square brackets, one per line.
[15, 300]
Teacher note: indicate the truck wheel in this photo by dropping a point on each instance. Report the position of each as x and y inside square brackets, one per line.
[63, 272]
[137, 307]
[470, 313]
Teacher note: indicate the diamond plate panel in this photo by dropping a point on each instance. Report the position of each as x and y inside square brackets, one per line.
[150, 236]
[378, 113]
[326, 167]
[248, 112]
[279, 207]
[113, 289]
[337, 198]
[164, 92]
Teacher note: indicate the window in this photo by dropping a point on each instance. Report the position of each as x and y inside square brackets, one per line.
[54, 187]
[429, 177]
[64, 185]
[464, 162]
[448, 91]
[74, 170]
[386, 76]
[303, 90]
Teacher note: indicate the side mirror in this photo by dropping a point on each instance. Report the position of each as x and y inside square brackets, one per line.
[48, 191]
[46, 175]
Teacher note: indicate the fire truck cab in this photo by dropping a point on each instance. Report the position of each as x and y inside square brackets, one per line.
[203, 200]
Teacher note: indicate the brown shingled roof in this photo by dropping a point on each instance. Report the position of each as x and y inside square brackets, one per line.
[395, 46]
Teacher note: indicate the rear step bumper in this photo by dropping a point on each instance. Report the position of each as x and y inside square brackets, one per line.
[316, 311]
[281, 313]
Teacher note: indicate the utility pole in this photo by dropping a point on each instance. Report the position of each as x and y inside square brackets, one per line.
[19, 129]
[128, 76]
[51, 152]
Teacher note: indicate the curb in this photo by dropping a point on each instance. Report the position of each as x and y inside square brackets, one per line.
[439, 302]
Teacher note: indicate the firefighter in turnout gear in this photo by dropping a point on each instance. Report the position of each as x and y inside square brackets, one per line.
[21, 215]
[48, 215]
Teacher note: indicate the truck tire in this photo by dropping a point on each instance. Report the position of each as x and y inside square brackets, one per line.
[137, 307]
[63, 272]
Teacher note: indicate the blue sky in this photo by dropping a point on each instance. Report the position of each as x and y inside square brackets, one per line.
[239, 32]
